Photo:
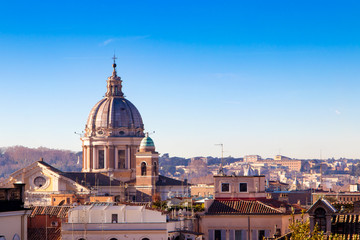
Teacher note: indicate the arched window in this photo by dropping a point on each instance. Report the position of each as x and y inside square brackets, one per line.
[320, 219]
[16, 237]
[143, 169]
[155, 168]
[145, 239]
[113, 239]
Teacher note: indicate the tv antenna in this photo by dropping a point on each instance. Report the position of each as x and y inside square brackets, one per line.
[222, 155]
[80, 134]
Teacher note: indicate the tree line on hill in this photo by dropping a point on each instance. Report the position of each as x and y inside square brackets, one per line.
[17, 157]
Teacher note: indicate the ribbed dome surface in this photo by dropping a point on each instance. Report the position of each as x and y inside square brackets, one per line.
[115, 113]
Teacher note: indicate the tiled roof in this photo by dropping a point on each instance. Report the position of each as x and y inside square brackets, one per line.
[345, 218]
[91, 179]
[346, 225]
[58, 211]
[234, 207]
[278, 183]
[50, 167]
[278, 204]
[85, 179]
[166, 181]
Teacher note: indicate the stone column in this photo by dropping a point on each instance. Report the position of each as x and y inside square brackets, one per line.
[88, 158]
[312, 223]
[328, 224]
[84, 158]
[116, 158]
[128, 157]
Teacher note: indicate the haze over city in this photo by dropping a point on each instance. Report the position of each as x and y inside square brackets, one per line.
[262, 78]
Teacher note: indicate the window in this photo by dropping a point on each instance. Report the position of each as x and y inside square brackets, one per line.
[217, 234]
[114, 218]
[113, 239]
[243, 187]
[238, 235]
[155, 168]
[39, 181]
[121, 159]
[320, 219]
[225, 187]
[101, 158]
[261, 234]
[143, 169]
[68, 200]
[145, 239]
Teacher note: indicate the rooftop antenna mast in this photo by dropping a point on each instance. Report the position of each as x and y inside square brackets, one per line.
[81, 134]
[222, 157]
[321, 176]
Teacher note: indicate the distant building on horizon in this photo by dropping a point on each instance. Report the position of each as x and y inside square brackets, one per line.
[252, 158]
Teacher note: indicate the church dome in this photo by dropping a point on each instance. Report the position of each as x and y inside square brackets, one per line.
[114, 115]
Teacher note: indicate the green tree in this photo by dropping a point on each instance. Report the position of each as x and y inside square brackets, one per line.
[300, 229]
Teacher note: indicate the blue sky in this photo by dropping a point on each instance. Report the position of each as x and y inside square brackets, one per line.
[261, 77]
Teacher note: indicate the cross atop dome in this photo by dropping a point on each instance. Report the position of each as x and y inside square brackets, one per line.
[114, 66]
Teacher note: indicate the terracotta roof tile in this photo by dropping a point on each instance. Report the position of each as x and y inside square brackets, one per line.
[59, 211]
[225, 207]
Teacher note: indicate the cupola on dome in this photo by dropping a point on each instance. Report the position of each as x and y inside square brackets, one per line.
[147, 144]
[147, 141]
[114, 115]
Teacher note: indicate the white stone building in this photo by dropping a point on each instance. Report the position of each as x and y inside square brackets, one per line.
[111, 221]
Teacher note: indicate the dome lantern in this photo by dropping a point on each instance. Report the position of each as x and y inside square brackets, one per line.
[114, 83]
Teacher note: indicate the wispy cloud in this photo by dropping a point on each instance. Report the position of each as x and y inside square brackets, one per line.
[337, 112]
[106, 42]
[126, 38]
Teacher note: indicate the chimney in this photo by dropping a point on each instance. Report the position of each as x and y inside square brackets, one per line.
[21, 187]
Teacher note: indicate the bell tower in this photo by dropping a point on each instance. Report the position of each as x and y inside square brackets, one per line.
[147, 170]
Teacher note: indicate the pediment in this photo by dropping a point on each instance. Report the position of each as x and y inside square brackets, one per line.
[326, 205]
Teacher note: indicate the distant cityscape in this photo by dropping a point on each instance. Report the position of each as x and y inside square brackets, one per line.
[119, 187]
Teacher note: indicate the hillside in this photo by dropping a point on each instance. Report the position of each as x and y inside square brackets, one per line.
[17, 157]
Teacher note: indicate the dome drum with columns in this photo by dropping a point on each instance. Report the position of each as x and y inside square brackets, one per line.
[113, 133]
